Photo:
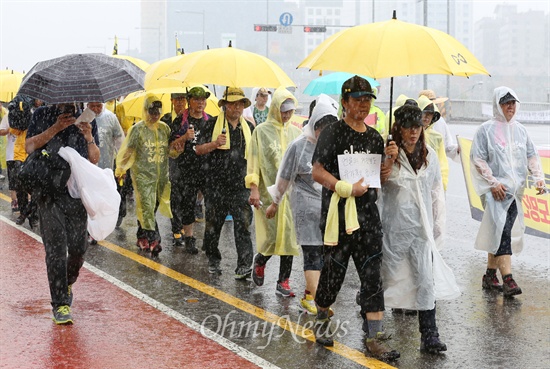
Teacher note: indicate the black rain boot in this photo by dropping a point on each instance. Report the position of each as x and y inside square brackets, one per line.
[190, 245]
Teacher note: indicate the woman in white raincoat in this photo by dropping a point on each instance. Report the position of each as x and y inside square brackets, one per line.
[305, 195]
[413, 219]
[502, 153]
[145, 151]
[268, 144]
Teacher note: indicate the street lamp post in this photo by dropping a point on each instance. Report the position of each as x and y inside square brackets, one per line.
[203, 22]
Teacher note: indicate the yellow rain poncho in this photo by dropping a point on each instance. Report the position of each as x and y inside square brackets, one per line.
[270, 139]
[145, 152]
[435, 140]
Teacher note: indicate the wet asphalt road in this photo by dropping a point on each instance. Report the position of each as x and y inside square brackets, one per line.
[481, 330]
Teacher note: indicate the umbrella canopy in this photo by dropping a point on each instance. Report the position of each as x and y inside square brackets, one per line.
[9, 84]
[228, 67]
[82, 77]
[155, 72]
[331, 84]
[133, 103]
[142, 64]
[393, 48]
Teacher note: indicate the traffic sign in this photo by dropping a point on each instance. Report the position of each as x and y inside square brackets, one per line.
[286, 19]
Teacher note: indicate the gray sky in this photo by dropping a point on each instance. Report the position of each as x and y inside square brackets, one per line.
[31, 31]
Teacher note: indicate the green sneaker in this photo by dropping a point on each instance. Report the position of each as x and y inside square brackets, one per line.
[62, 315]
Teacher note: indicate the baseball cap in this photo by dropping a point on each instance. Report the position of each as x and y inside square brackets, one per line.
[408, 115]
[154, 107]
[287, 105]
[507, 98]
[356, 87]
[198, 92]
[263, 91]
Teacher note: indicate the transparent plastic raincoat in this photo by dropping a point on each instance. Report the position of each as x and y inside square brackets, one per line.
[145, 152]
[412, 206]
[295, 175]
[269, 141]
[502, 152]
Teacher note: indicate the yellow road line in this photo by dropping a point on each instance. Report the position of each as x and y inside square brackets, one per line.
[262, 314]
[294, 328]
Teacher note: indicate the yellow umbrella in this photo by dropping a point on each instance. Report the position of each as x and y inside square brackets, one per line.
[227, 67]
[133, 103]
[141, 64]
[393, 48]
[157, 70]
[9, 84]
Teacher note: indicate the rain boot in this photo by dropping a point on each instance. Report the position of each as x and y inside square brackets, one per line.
[190, 245]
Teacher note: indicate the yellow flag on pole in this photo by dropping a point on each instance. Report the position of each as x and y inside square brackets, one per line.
[115, 48]
[179, 49]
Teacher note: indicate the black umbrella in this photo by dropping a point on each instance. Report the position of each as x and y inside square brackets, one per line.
[82, 77]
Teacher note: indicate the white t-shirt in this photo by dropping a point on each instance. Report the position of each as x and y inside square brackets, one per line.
[10, 138]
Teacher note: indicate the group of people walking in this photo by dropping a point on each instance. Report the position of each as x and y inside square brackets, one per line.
[290, 182]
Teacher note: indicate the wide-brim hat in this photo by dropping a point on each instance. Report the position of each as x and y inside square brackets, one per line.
[430, 94]
[198, 92]
[233, 94]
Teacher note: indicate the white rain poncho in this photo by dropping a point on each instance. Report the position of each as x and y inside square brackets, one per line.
[269, 141]
[412, 206]
[502, 152]
[145, 152]
[295, 175]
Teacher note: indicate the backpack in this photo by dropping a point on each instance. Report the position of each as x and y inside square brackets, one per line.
[20, 113]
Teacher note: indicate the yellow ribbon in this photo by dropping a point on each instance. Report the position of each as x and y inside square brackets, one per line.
[342, 190]
[218, 127]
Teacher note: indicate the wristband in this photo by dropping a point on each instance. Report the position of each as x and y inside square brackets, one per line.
[91, 142]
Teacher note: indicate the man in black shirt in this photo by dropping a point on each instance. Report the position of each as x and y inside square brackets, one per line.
[364, 244]
[63, 220]
[185, 170]
[224, 142]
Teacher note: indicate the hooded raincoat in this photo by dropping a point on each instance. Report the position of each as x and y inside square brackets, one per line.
[295, 175]
[145, 152]
[413, 219]
[502, 152]
[269, 142]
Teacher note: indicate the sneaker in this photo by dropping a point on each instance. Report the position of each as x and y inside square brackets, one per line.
[14, 206]
[258, 272]
[70, 294]
[379, 348]
[143, 244]
[490, 282]
[20, 219]
[510, 287]
[214, 268]
[242, 274]
[155, 247]
[190, 247]
[178, 240]
[307, 304]
[62, 315]
[323, 333]
[91, 240]
[283, 289]
[431, 343]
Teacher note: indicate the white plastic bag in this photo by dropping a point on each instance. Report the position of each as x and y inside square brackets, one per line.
[97, 189]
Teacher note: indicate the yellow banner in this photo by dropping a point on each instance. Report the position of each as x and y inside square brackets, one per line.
[536, 210]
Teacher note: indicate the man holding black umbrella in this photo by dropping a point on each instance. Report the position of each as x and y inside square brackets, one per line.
[62, 218]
